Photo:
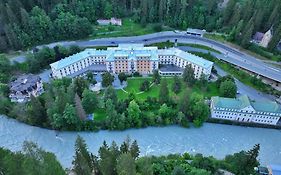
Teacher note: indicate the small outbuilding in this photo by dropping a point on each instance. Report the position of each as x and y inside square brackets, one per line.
[195, 32]
[111, 21]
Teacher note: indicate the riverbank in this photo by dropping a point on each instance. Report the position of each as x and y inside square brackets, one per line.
[211, 139]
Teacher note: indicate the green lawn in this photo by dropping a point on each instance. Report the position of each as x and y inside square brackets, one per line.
[200, 47]
[99, 114]
[133, 87]
[168, 44]
[135, 83]
[208, 92]
[128, 28]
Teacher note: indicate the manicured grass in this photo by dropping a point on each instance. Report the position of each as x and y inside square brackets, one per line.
[99, 114]
[128, 28]
[133, 87]
[135, 83]
[208, 92]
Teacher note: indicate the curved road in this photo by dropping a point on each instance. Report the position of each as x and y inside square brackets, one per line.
[232, 55]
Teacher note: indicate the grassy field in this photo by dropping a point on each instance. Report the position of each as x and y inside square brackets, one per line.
[135, 83]
[168, 44]
[128, 28]
[163, 45]
[200, 47]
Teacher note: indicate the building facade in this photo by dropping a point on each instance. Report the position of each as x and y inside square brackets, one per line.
[243, 110]
[130, 58]
[195, 32]
[24, 86]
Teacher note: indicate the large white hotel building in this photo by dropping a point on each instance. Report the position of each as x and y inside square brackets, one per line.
[130, 58]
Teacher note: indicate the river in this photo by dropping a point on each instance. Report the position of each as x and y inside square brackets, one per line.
[211, 139]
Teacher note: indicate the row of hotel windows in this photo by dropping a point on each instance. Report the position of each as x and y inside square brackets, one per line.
[250, 112]
[257, 116]
[165, 56]
[264, 121]
[179, 61]
[248, 120]
[126, 59]
[71, 68]
[167, 74]
[121, 68]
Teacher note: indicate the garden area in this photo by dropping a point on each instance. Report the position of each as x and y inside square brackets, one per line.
[135, 83]
[128, 28]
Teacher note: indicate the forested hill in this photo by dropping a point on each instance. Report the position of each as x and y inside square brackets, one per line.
[30, 22]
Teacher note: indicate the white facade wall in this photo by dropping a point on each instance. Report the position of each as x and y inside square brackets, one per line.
[154, 64]
[110, 65]
[77, 66]
[243, 116]
[180, 62]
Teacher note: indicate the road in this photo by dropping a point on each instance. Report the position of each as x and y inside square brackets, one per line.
[243, 89]
[231, 55]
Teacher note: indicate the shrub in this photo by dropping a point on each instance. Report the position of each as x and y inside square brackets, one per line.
[157, 27]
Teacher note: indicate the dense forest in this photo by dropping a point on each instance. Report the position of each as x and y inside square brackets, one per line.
[28, 23]
[122, 160]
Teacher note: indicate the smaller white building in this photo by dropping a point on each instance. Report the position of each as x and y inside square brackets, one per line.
[24, 86]
[243, 110]
[111, 21]
[195, 32]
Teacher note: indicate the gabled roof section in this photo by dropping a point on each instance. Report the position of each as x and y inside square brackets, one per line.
[77, 57]
[206, 64]
[24, 82]
[243, 102]
[132, 51]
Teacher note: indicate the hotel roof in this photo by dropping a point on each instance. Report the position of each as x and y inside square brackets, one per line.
[187, 56]
[132, 52]
[77, 57]
[243, 101]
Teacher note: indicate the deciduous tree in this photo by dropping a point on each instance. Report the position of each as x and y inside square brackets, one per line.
[89, 101]
[107, 79]
[164, 92]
